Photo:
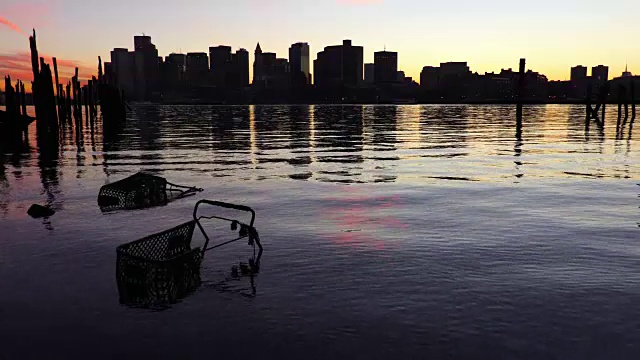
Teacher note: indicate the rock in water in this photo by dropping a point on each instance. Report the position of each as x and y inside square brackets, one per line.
[38, 211]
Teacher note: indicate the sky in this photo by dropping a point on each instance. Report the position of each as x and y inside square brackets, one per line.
[490, 35]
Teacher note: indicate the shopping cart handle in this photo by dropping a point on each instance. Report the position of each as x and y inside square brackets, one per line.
[224, 205]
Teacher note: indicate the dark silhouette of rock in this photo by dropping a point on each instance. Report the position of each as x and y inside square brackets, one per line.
[38, 211]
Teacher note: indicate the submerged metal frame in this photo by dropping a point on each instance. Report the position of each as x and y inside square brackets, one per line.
[252, 233]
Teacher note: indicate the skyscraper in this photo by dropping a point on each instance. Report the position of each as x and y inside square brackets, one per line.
[369, 73]
[220, 65]
[269, 71]
[258, 67]
[146, 67]
[386, 66]
[600, 74]
[339, 65]
[174, 66]
[578, 73]
[299, 64]
[197, 68]
[123, 64]
[242, 64]
[429, 77]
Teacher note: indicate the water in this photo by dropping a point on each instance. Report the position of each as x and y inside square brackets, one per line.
[389, 232]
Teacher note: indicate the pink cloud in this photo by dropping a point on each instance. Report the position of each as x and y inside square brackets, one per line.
[12, 26]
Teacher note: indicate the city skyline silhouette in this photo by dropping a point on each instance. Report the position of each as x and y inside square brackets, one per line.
[489, 36]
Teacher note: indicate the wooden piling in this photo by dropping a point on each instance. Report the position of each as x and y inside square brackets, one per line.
[620, 91]
[632, 88]
[36, 70]
[86, 103]
[18, 99]
[520, 91]
[9, 98]
[58, 99]
[68, 103]
[590, 111]
[23, 97]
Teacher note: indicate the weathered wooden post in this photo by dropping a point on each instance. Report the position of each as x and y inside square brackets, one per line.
[23, 96]
[620, 90]
[36, 71]
[520, 91]
[9, 98]
[58, 99]
[17, 97]
[68, 103]
[587, 101]
[633, 99]
[86, 103]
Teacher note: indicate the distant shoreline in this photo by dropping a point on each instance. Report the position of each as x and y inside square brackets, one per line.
[572, 102]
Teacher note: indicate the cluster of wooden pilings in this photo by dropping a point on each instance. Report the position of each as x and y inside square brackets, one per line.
[625, 98]
[15, 98]
[58, 106]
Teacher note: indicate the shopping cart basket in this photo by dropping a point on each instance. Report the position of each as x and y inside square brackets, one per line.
[139, 191]
[160, 269]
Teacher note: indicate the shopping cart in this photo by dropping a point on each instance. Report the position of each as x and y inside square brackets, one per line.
[141, 190]
[160, 269]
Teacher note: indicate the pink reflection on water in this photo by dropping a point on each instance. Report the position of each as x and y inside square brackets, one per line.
[363, 219]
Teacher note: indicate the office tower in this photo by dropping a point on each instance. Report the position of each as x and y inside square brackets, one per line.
[429, 77]
[299, 64]
[600, 74]
[174, 68]
[269, 71]
[220, 65]
[386, 63]
[578, 73]
[242, 65]
[369, 73]
[454, 69]
[123, 65]
[339, 65]
[146, 67]
[197, 68]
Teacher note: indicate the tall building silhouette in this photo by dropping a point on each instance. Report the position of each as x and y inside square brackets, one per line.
[600, 74]
[386, 67]
[258, 65]
[241, 61]
[269, 71]
[220, 65]
[174, 68]
[299, 64]
[369, 73]
[123, 65]
[197, 68]
[339, 65]
[578, 73]
[146, 67]
[429, 77]
[579, 80]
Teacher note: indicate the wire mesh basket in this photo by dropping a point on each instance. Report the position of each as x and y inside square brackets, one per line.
[161, 269]
[139, 191]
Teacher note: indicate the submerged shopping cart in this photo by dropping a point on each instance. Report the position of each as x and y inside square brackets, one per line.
[159, 270]
[141, 190]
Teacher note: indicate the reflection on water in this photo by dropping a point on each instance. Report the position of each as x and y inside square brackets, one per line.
[335, 144]
[339, 144]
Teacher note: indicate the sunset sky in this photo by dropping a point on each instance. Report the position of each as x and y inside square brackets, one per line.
[552, 34]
